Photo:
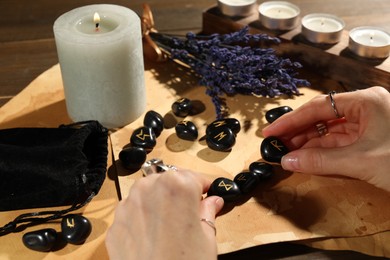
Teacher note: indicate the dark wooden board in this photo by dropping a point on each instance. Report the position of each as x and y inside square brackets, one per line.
[328, 62]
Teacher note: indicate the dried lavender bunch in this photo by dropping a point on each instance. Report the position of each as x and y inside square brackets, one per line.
[232, 64]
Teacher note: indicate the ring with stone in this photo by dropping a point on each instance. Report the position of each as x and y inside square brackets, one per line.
[171, 167]
[167, 167]
[210, 223]
[156, 165]
[322, 128]
[333, 103]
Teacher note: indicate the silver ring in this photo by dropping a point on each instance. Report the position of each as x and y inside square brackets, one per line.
[171, 167]
[156, 165]
[167, 167]
[210, 223]
[331, 94]
[322, 128]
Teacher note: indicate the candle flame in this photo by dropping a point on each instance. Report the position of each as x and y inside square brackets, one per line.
[96, 19]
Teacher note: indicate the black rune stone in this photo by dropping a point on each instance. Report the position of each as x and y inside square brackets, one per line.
[186, 130]
[197, 107]
[231, 123]
[221, 139]
[246, 181]
[262, 169]
[272, 149]
[40, 240]
[273, 114]
[75, 228]
[132, 157]
[155, 121]
[181, 107]
[225, 188]
[144, 137]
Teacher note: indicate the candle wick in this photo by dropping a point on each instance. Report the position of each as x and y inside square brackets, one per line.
[96, 19]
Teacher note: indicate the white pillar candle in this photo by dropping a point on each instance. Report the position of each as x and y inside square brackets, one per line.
[237, 7]
[369, 42]
[279, 15]
[102, 64]
[322, 28]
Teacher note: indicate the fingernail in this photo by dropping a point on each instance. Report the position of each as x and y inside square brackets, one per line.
[290, 162]
[219, 202]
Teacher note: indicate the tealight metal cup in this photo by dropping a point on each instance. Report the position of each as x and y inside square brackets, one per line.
[237, 7]
[328, 30]
[367, 49]
[275, 22]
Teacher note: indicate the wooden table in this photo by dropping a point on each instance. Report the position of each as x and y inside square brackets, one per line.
[27, 50]
[27, 46]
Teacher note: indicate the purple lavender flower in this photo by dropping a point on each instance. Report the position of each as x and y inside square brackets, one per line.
[232, 64]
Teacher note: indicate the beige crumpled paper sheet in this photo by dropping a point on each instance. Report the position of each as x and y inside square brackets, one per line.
[288, 207]
[329, 213]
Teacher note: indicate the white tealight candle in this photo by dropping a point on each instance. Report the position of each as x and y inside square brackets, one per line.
[100, 53]
[237, 7]
[322, 28]
[369, 42]
[279, 15]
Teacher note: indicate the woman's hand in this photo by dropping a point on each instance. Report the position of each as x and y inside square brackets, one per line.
[357, 144]
[160, 219]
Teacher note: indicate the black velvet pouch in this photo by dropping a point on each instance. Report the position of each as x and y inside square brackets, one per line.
[46, 167]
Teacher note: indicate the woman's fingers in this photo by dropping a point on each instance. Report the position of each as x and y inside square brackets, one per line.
[323, 161]
[209, 208]
[308, 115]
[184, 175]
[337, 135]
